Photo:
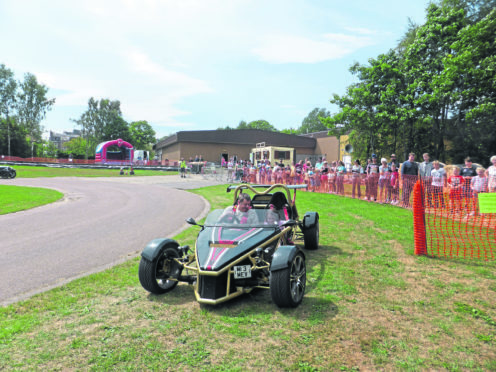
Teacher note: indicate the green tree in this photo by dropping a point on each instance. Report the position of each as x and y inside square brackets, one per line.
[143, 135]
[313, 121]
[242, 125]
[424, 64]
[102, 121]
[76, 147]
[32, 106]
[8, 87]
[470, 80]
[261, 125]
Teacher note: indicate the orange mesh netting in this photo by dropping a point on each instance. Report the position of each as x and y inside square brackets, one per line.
[454, 225]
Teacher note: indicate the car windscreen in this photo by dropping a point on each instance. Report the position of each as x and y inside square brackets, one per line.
[254, 217]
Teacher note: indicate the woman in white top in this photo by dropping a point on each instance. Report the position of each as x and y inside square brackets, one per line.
[383, 173]
[438, 175]
[491, 175]
[356, 177]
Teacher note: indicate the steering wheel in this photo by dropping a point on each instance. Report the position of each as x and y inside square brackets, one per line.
[229, 218]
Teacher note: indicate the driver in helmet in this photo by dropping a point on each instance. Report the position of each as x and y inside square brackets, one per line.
[241, 211]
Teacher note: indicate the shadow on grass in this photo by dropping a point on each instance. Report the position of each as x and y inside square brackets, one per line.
[318, 264]
[260, 301]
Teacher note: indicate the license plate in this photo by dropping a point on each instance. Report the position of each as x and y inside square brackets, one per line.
[241, 272]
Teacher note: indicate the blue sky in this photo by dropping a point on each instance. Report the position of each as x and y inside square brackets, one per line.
[197, 64]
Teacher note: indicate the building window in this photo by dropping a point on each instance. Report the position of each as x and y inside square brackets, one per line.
[281, 155]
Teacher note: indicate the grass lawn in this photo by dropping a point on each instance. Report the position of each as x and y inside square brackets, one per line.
[25, 171]
[370, 305]
[18, 198]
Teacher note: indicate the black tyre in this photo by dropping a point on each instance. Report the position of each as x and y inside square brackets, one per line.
[287, 286]
[13, 173]
[311, 236]
[157, 276]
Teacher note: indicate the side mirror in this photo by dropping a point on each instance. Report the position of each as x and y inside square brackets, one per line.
[191, 221]
[289, 223]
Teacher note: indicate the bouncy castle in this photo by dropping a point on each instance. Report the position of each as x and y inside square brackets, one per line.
[124, 154]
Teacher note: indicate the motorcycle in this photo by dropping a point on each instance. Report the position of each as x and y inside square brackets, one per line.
[7, 172]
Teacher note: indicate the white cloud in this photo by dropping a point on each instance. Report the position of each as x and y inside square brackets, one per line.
[179, 84]
[298, 49]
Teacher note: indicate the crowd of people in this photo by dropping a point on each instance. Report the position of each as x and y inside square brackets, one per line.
[377, 181]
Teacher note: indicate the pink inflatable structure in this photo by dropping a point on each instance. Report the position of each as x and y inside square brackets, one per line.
[124, 156]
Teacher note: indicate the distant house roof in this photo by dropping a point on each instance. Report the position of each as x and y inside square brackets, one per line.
[239, 137]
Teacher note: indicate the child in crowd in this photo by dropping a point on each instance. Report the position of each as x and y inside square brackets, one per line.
[331, 180]
[438, 175]
[317, 180]
[478, 184]
[262, 173]
[323, 177]
[309, 179]
[268, 174]
[455, 185]
[253, 174]
[395, 184]
[340, 178]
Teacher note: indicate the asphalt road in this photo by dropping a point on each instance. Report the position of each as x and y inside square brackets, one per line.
[100, 222]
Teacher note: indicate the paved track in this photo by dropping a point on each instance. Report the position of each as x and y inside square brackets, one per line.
[99, 223]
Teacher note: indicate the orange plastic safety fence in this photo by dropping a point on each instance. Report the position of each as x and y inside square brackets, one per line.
[454, 225]
[419, 220]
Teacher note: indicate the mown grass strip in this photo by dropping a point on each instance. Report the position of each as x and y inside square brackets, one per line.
[24, 171]
[18, 198]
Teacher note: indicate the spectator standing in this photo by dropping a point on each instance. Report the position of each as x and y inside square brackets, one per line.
[341, 171]
[467, 172]
[438, 177]
[478, 184]
[394, 161]
[317, 180]
[262, 172]
[275, 173]
[318, 164]
[409, 175]
[491, 175]
[367, 188]
[299, 172]
[356, 178]
[182, 167]
[455, 184]
[383, 175]
[230, 170]
[310, 179]
[372, 178]
[331, 180]
[425, 169]
[268, 174]
[395, 184]
[324, 176]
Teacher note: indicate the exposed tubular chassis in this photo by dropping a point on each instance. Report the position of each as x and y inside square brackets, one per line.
[269, 256]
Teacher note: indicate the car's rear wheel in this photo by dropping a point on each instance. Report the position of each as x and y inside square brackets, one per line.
[287, 286]
[158, 276]
[311, 236]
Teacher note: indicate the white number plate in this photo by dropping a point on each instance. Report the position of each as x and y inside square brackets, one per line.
[241, 272]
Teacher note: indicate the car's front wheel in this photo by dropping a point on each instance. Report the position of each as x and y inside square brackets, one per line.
[160, 275]
[287, 286]
[13, 173]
